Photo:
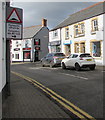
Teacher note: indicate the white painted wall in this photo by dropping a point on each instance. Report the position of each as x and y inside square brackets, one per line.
[16, 52]
[52, 38]
[2, 47]
[104, 40]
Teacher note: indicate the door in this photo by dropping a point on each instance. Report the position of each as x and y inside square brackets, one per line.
[36, 56]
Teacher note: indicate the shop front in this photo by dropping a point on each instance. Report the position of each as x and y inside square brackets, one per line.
[26, 54]
[67, 47]
[55, 46]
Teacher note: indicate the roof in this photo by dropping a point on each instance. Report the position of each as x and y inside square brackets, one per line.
[92, 11]
[29, 32]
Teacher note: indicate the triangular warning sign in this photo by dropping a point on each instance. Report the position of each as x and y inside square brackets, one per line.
[14, 17]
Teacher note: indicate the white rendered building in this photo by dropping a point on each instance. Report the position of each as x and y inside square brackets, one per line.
[83, 32]
[34, 44]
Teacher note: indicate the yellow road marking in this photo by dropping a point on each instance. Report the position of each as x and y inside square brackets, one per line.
[45, 89]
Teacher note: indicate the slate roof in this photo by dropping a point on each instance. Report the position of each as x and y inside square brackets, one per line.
[92, 11]
[30, 32]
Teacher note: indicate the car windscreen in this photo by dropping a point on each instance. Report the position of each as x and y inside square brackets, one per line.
[85, 55]
[59, 54]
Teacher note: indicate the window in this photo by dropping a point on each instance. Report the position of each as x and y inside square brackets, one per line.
[55, 33]
[79, 30]
[76, 47]
[96, 49]
[76, 30]
[74, 56]
[67, 33]
[85, 55]
[59, 54]
[16, 56]
[82, 47]
[49, 55]
[82, 28]
[26, 55]
[94, 25]
[12, 55]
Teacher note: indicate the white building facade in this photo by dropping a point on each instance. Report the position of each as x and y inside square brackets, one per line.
[84, 34]
[85, 37]
[33, 46]
[55, 41]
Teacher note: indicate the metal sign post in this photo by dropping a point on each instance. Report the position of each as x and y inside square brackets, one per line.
[14, 28]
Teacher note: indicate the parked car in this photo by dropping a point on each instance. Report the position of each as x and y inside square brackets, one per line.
[78, 61]
[53, 59]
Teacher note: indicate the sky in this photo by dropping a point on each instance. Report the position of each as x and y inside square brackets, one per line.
[54, 12]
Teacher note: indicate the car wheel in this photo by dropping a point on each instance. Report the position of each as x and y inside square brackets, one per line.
[51, 64]
[92, 67]
[77, 67]
[42, 65]
[63, 66]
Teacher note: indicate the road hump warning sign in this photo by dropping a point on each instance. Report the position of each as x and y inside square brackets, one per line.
[14, 17]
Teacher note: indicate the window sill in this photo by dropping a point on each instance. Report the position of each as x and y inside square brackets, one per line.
[79, 35]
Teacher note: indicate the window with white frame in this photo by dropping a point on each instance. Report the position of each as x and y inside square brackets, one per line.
[96, 49]
[79, 29]
[82, 28]
[76, 30]
[55, 33]
[94, 25]
[16, 56]
[67, 33]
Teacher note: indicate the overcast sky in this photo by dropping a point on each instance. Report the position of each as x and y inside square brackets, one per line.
[54, 12]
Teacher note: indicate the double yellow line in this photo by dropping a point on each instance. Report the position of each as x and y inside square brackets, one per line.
[62, 101]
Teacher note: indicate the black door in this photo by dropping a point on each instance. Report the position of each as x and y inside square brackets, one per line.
[36, 56]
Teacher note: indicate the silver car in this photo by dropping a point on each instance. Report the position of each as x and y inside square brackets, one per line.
[53, 59]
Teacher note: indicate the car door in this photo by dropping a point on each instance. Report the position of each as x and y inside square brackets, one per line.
[68, 61]
[72, 60]
[49, 58]
[44, 60]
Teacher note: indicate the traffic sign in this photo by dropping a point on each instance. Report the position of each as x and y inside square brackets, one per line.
[14, 23]
[14, 17]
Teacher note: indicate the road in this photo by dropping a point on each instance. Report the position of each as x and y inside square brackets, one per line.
[84, 88]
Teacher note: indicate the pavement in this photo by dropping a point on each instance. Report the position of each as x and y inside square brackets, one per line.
[27, 101]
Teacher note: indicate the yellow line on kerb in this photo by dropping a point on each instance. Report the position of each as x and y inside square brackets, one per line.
[45, 89]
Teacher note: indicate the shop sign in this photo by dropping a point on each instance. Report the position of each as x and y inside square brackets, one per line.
[37, 48]
[36, 41]
[16, 49]
[26, 48]
[55, 43]
[67, 42]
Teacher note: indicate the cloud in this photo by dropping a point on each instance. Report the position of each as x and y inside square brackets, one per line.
[54, 12]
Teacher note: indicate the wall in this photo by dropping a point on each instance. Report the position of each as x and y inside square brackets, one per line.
[52, 38]
[13, 53]
[104, 40]
[2, 46]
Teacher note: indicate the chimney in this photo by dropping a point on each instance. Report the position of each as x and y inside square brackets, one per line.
[44, 22]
